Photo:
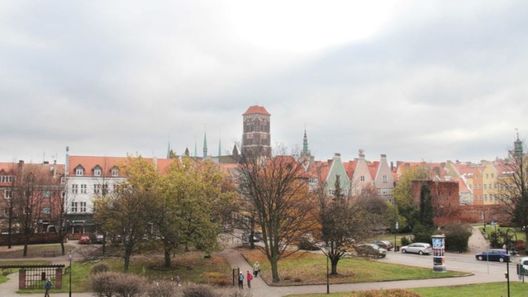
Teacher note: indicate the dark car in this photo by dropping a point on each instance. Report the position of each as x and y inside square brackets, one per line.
[370, 250]
[493, 255]
[384, 244]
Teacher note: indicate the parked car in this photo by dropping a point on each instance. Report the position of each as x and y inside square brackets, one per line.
[370, 250]
[84, 239]
[384, 244]
[493, 255]
[99, 238]
[420, 248]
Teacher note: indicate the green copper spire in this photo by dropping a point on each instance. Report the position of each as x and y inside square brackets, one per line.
[205, 146]
[305, 151]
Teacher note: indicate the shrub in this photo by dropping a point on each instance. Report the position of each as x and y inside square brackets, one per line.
[306, 244]
[162, 289]
[103, 283]
[405, 241]
[457, 237]
[199, 291]
[129, 285]
[217, 278]
[237, 293]
[392, 293]
[98, 268]
[422, 233]
[108, 284]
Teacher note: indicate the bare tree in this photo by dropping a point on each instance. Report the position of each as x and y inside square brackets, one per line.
[345, 220]
[513, 188]
[277, 190]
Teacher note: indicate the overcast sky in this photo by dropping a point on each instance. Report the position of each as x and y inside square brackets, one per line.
[417, 80]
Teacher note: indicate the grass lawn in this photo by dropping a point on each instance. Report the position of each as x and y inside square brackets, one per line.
[5, 272]
[191, 267]
[310, 268]
[481, 290]
[35, 250]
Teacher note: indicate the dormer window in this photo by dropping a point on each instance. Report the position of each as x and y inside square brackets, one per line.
[384, 178]
[97, 171]
[362, 178]
[79, 171]
[115, 172]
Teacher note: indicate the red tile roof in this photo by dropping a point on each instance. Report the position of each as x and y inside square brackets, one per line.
[373, 169]
[350, 167]
[256, 109]
[319, 169]
[107, 163]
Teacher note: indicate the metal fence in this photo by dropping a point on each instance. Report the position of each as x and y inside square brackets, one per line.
[34, 276]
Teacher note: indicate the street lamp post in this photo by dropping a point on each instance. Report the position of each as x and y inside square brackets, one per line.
[396, 226]
[325, 252]
[507, 239]
[70, 258]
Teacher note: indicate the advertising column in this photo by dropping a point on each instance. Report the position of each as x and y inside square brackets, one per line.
[439, 253]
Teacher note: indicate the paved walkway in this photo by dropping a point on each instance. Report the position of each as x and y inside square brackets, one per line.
[260, 289]
[477, 243]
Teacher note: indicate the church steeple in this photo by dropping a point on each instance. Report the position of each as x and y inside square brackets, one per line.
[205, 145]
[518, 147]
[219, 147]
[306, 150]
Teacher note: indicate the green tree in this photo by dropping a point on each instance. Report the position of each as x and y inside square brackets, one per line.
[124, 213]
[407, 207]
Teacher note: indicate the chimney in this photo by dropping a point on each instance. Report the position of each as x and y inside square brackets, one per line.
[392, 166]
[383, 156]
[361, 154]
[20, 163]
[45, 162]
[337, 156]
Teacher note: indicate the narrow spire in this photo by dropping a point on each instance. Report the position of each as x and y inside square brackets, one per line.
[168, 150]
[219, 147]
[518, 146]
[305, 151]
[205, 145]
[195, 149]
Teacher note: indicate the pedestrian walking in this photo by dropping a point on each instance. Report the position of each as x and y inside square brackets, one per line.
[256, 269]
[47, 287]
[241, 280]
[249, 278]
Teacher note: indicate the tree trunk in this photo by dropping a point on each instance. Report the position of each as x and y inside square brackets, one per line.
[63, 251]
[274, 271]
[252, 233]
[26, 240]
[333, 262]
[167, 255]
[127, 260]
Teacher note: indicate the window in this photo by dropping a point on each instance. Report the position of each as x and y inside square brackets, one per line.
[115, 172]
[384, 178]
[362, 178]
[484, 186]
[46, 210]
[47, 194]
[105, 189]
[486, 175]
[97, 171]
[8, 194]
[83, 189]
[115, 187]
[97, 188]
[79, 171]
[492, 175]
[75, 189]
[83, 206]
[74, 207]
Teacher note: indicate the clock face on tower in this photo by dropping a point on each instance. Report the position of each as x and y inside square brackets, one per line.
[437, 243]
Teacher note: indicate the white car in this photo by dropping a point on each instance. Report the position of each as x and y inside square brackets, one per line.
[420, 248]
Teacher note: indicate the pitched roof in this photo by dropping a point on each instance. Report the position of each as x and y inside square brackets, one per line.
[107, 163]
[256, 109]
[350, 167]
[373, 168]
[319, 169]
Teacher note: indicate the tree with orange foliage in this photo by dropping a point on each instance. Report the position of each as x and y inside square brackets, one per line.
[277, 190]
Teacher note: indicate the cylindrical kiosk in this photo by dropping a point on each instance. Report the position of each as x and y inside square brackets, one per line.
[439, 253]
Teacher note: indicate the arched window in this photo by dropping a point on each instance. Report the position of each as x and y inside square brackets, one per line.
[97, 171]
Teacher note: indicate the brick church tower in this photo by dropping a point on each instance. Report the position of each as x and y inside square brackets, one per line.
[256, 136]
